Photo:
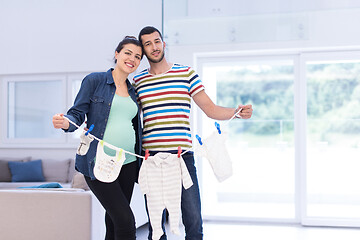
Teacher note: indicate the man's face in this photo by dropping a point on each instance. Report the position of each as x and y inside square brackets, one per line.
[153, 47]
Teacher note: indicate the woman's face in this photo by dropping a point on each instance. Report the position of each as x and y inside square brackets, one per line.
[128, 59]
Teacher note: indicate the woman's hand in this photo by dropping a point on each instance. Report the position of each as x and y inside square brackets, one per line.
[59, 121]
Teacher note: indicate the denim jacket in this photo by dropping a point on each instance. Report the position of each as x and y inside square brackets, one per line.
[94, 101]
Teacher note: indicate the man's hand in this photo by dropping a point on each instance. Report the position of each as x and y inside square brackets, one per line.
[246, 111]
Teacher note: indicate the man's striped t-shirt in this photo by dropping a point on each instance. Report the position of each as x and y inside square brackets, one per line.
[166, 101]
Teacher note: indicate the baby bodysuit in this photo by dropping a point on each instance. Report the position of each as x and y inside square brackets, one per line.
[161, 178]
[214, 149]
[107, 168]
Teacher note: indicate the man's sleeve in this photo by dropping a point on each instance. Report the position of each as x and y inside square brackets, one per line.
[195, 82]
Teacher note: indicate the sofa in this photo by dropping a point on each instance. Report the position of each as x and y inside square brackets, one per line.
[56, 214]
[71, 212]
[26, 172]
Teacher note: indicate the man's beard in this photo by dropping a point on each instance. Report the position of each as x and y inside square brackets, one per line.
[156, 61]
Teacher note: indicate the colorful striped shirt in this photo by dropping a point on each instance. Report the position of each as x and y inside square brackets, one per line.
[166, 101]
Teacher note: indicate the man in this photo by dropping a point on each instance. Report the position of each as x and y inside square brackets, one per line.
[164, 91]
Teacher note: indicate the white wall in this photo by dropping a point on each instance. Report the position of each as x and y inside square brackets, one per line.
[66, 36]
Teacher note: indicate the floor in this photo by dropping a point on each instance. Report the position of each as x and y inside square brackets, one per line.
[216, 231]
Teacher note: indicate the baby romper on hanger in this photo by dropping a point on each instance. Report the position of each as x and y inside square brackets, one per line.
[107, 168]
[161, 178]
[214, 149]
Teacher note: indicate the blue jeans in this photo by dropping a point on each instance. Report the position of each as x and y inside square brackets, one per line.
[190, 206]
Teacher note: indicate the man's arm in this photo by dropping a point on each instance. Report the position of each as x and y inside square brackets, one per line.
[217, 112]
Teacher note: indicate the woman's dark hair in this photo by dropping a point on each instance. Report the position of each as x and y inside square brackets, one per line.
[149, 30]
[127, 40]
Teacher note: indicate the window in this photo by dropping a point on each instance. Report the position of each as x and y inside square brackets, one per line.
[30, 105]
[74, 83]
[261, 148]
[332, 194]
[296, 159]
[30, 101]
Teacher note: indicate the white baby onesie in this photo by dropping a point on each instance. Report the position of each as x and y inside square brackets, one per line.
[161, 178]
[214, 149]
[107, 168]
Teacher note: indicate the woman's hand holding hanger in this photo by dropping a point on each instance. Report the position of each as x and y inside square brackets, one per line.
[59, 121]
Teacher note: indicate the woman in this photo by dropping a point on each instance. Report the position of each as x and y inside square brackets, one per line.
[108, 101]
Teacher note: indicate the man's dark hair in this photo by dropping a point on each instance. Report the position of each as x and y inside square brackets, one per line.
[148, 30]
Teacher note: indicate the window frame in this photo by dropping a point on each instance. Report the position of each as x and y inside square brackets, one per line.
[341, 55]
[300, 116]
[247, 56]
[65, 141]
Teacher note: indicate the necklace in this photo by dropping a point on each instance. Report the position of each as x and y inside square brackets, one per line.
[119, 85]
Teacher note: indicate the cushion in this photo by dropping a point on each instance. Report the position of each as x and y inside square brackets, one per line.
[45, 185]
[79, 182]
[5, 175]
[56, 170]
[26, 171]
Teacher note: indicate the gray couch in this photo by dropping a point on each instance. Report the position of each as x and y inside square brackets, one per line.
[54, 170]
[61, 213]
[56, 214]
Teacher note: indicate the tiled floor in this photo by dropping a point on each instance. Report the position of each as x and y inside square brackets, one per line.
[222, 231]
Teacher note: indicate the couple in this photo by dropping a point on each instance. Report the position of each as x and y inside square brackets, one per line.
[110, 102]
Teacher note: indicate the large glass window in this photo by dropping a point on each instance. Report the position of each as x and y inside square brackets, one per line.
[333, 145]
[318, 184]
[261, 148]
